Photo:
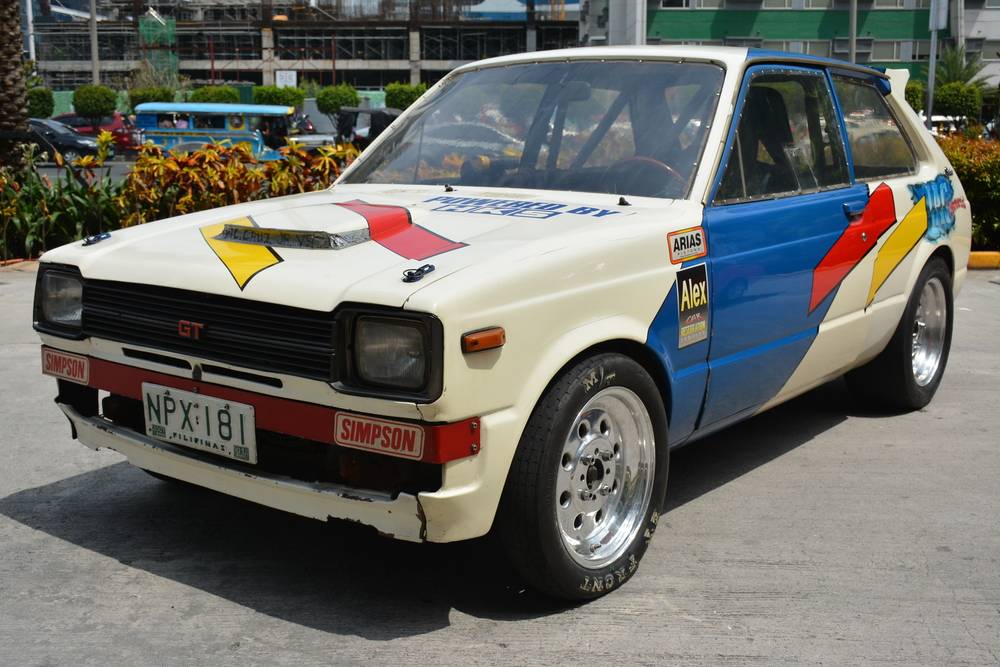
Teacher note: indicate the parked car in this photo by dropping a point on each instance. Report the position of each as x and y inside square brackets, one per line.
[52, 137]
[642, 246]
[126, 137]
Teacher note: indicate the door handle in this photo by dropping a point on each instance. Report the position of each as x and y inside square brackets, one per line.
[854, 214]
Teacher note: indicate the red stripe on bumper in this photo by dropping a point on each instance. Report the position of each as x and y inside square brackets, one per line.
[442, 442]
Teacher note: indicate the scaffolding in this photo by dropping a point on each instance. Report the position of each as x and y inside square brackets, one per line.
[158, 41]
[364, 42]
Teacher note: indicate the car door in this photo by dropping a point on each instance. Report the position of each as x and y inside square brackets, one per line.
[780, 210]
[883, 157]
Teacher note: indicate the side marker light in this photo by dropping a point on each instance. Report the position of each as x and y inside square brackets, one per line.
[484, 339]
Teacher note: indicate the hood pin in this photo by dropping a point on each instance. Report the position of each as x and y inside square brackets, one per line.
[413, 275]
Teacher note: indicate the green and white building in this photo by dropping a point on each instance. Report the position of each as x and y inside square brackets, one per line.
[892, 33]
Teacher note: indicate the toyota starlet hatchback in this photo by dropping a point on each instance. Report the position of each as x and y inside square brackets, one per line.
[546, 274]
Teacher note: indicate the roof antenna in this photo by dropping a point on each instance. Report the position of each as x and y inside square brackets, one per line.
[622, 201]
[448, 188]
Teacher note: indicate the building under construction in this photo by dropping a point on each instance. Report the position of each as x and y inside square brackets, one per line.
[367, 43]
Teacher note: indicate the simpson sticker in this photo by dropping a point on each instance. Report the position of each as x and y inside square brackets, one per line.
[686, 244]
[692, 305]
[379, 435]
[70, 367]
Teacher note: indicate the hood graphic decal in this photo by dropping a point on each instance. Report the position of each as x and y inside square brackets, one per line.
[243, 260]
[246, 248]
[293, 238]
[393, 229]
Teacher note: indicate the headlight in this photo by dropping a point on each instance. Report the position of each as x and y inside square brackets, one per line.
[388, 353]
[61, 299]
[391, 352]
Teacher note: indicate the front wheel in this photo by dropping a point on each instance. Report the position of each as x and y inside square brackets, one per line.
[907, 373]
[588, 481]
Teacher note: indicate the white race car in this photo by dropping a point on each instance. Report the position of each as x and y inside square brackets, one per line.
[547, 273]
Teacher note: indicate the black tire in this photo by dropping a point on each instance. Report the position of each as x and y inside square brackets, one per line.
[888, 382]
[527, 520]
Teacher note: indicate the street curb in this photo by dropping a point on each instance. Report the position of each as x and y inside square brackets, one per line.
[982, 259]
[11, 262]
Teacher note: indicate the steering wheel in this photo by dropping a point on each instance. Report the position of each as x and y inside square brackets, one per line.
[646, 176]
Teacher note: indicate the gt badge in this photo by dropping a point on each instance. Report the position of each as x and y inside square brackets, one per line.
[692, 305]
[686, 244]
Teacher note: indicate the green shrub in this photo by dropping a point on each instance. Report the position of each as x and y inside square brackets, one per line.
[216, 94]
[329, 100]
[286, 96]
[977, 165]
[958, 99]
[39, 211]
[401, 95]
[916, 95]
[42, 211]
[94, 102]
[138, 96]
[40, 103]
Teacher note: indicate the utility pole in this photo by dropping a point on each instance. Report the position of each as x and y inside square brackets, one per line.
[639, 25]
[531, 37]
[853, 42]
[938, 21]
[95, 58]
[31, 29]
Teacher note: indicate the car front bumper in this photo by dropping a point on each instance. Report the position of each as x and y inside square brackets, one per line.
[401, 517]
[462, 508]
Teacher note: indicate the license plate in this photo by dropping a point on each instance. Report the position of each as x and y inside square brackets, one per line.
[201, 422]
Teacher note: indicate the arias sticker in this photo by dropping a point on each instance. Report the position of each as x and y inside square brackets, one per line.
[692, 305]
[686, 244]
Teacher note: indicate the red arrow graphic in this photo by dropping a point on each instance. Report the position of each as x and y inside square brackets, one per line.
[393, 229]
[854, 243]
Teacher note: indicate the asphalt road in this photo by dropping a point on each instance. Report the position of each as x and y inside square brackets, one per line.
[814, 534]
[116, 169]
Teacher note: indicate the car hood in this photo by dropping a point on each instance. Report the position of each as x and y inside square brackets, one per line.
[386, 231]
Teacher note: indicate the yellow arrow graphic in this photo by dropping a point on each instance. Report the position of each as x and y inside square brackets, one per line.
[903, 239]
[243, 260]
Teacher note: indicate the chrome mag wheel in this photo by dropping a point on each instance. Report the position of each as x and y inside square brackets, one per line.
[929, 329]
[605, 477]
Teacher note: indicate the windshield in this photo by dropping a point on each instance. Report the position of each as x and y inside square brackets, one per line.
[628, 128]
[56, 126]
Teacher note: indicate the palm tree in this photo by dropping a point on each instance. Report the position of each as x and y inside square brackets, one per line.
[954, 67]
[14, 99]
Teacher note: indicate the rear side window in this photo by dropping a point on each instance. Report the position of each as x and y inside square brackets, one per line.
[788, 141]
[878, 147]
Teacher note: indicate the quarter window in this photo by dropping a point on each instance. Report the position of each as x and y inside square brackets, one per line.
[878, 147]
[788, 141]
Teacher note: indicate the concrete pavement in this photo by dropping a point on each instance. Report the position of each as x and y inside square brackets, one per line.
[812, 534]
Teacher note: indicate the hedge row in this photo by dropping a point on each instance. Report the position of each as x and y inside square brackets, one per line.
[977, 165]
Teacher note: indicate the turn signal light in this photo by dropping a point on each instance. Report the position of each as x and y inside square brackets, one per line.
[484, 339]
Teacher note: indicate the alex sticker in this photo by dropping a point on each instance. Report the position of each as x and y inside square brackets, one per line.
[692, 305]
[686, 244]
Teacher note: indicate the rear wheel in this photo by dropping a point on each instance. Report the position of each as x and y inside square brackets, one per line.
[907, 373]
[587, 484]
